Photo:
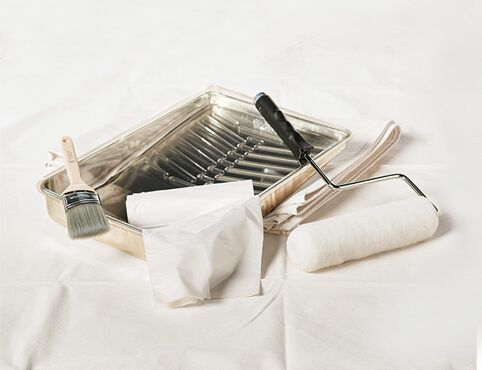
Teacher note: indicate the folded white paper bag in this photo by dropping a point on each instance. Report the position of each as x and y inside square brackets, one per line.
[188, 259]
[201, 242]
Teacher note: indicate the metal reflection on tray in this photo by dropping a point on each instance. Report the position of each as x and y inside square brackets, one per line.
[217, 136]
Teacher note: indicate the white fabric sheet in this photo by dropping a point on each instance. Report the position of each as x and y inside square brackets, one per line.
[302, 204]
[69, 67]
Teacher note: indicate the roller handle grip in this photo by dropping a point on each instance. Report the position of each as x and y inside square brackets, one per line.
[287, 133]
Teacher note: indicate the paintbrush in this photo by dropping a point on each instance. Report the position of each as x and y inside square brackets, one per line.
[85, 217]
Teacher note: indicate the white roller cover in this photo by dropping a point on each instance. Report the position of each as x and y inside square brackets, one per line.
[335, 240]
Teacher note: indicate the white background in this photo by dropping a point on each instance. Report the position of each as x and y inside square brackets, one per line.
[71, 67]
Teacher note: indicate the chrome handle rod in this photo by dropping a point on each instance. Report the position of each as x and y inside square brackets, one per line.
[357, 183]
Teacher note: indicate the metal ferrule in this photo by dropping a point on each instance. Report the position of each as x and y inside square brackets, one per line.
[74, 198]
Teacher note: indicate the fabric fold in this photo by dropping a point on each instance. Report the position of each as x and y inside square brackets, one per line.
[297, 208]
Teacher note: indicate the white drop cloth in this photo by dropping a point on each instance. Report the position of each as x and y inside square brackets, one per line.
[69, 67]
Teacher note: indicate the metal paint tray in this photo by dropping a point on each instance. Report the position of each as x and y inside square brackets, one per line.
[216, 136]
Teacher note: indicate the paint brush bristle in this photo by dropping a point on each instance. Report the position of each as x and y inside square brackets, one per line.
[86, 220]
[85, 217]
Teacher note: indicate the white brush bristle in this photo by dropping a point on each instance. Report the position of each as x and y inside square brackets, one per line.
[332, 241]
[86, 220]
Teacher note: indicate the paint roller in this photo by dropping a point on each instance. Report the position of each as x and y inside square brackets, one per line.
[359, 234]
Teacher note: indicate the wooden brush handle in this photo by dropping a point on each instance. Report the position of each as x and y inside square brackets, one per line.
[71, 163]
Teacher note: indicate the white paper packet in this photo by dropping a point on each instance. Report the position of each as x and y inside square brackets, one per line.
[196, 259]
[206, 242]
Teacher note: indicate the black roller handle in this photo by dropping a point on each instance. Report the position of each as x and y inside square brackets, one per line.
[285, 130]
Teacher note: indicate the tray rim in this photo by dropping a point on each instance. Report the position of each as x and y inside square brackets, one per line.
[212, 89]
